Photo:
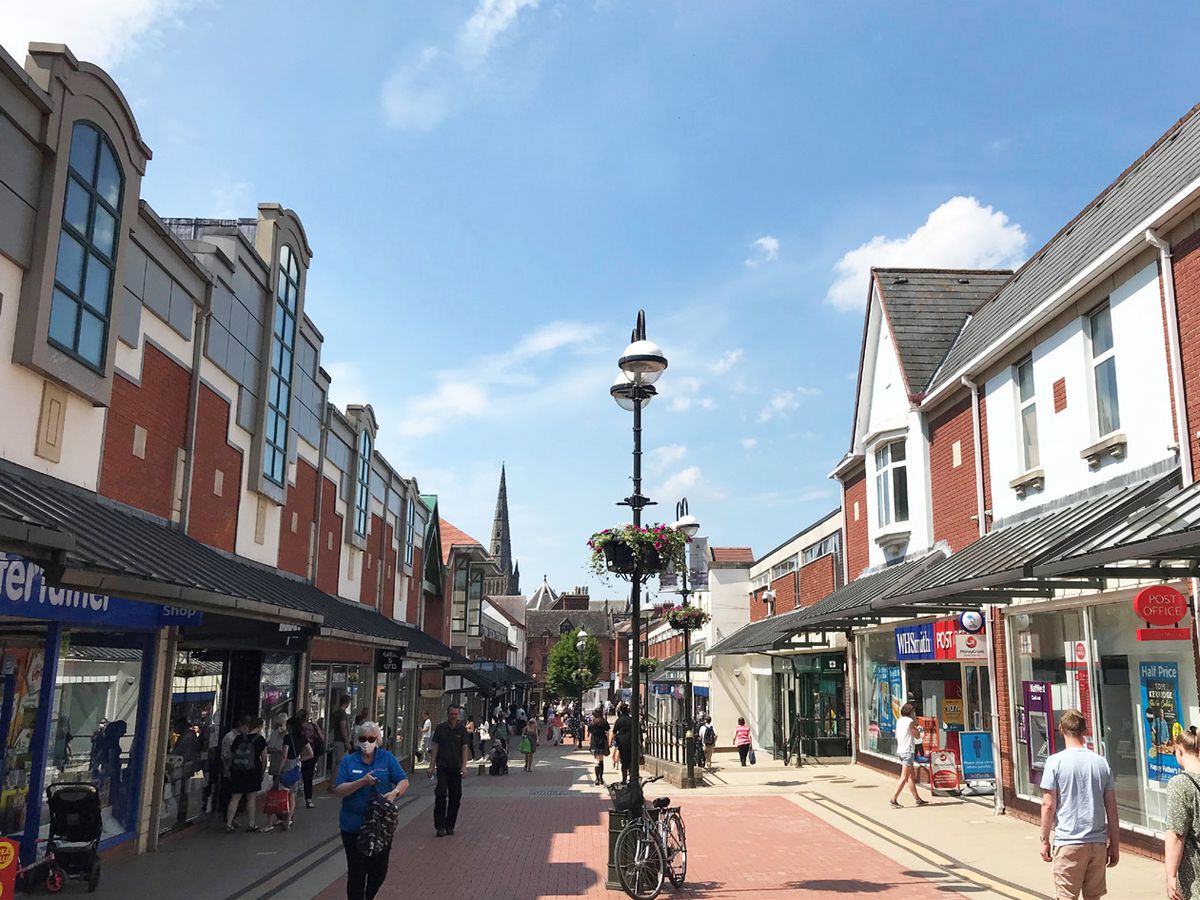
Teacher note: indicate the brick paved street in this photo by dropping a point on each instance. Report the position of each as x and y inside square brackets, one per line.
[544, 835]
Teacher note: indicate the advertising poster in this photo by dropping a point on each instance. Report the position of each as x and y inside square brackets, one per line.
[1039, 726]
[881, 700]
[698, 556]
[952, 713]
[897, 691]
[1161, 710]
[977, 761]
[930, 737]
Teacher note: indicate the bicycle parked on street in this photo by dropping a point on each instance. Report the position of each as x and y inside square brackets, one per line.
[652, 847]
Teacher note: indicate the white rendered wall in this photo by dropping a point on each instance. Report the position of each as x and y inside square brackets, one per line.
[1143, 395]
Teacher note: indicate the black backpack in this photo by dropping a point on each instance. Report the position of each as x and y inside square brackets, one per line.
[242, 754]
[379, 824]
[710, 735]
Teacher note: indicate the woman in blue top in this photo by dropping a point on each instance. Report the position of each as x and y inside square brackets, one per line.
[366, 770]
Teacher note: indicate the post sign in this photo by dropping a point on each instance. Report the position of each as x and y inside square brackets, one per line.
[1161, 605]
[390, 659]
[943, 770]
[978, 763]
[944, 639]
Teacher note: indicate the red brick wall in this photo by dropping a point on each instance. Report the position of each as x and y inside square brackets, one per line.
[785, 592]
[1187, 301]
[211, 519]
[294, 546]
[758, 607]
[437, 618]
[329, 562]
[159, 405]
[414, 585]
[368, 590]
[387, 604]
[854, 489]
[955, 501]
[819, 578]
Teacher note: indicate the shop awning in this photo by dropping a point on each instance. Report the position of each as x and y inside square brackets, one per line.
[493, 676]
[1001, 566]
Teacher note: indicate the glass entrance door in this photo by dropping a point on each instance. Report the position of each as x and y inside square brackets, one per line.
[978, 698]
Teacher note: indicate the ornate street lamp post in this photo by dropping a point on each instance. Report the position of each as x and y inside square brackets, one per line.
[581, 671]
[686, 523]
[641, 364]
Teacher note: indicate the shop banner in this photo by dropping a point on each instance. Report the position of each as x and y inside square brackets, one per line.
[970, 646]
[1039, 726]
[24, 592]
[943, 771]
[1160, 711]
[915, 642]
[668, 581]
[977, 761]
[885, 699]
[698, 563]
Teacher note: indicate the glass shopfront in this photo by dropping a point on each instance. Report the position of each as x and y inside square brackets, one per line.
[880, 692]
[196, 698]
[1134, 694]
[327, 684]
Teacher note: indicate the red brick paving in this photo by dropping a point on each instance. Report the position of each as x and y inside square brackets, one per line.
[532, 847]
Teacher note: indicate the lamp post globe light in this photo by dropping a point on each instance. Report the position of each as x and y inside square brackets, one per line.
[641, 365]
[581, 670]
[687, 524]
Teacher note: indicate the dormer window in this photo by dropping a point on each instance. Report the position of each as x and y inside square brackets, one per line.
[891, 483]
[279, 386]
[362, 485]
[81, 310]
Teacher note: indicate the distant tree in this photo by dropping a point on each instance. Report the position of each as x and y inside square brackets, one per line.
[570, 672]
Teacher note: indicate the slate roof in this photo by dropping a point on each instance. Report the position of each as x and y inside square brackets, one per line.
[1172, 162]
[926, 309]
[733, 555]
[114, 549]
[598, 624]
[544, 597]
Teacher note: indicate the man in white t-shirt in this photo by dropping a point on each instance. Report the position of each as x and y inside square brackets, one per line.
[1079, 802]
[907, 733]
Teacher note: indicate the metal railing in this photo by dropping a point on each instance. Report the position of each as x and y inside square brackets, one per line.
[666, 741]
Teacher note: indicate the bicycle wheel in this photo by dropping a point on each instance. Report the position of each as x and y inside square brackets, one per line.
[639, 861]
[675, 845]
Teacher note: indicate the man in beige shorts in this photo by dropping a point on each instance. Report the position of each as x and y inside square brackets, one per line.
[1079, 804]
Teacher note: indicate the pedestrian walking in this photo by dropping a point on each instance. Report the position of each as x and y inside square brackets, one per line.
[1079, 805]
[476, 752]
[450, 745]
[426, 738]
[623, 739]
[247, 763]
[707, 741]
[741, 739]
[339, 730]
[529, 743]
[368, 770]
[315, 740]
[556, 726]
[1183, 819]
[598, 731]
[907, 733]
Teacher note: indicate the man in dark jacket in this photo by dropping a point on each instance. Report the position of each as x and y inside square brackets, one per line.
[448, 757]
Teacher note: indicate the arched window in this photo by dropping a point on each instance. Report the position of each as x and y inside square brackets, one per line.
[279, 385]
[87, 248]
[362, 485]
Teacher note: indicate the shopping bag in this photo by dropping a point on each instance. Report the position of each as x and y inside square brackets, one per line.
[290, 776]
[753, 759]
[278, 802]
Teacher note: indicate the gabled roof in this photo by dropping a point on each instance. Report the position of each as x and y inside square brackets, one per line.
[926, 309]
[511, 606]
[733, 555]
[1171, 163]
[544, 597]
[454, 537]
[598, 624]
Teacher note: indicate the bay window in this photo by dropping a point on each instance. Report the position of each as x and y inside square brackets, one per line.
[891, 483]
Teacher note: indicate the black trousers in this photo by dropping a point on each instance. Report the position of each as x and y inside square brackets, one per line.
[308, 768]
[447, 796]
[743, 752]
[364, 874]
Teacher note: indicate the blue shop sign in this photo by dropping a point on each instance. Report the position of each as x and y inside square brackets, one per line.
[915, 642]
[24, 592]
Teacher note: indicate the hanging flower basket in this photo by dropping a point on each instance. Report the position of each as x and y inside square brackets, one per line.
[648, 665]
[188, 669]
[630, 548]
[687, 618]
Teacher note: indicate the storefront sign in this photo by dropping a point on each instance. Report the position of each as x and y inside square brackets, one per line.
[1039, 726]
[970, 646]
[977, 761]
[915, 642]
[943, 770]
[8, 869]
[24, 592]
[971, 621]
[1160, 605]
[1160, 715]
[390, 659]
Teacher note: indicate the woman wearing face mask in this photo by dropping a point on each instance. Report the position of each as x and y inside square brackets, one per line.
[1183, 819]
[369, 768]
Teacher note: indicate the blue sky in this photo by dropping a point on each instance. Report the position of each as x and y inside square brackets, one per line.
[493, 188]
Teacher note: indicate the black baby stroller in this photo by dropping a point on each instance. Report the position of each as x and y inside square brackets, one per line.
[499, 758]
[73, 844]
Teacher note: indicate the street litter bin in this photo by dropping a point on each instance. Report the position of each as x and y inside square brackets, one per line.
[616, 821]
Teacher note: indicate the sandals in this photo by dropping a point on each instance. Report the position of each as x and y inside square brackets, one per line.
[921, 802]
[894, 804]
[250, 829]
[229, 829]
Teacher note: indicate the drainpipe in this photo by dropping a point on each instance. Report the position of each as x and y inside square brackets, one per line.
[199, 332]
[1168, 284]
[989, 611]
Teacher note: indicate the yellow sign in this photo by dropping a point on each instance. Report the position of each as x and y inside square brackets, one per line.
[952, 711]
[7, 854]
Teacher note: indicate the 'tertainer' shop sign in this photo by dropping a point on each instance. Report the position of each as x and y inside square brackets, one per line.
[1164, 606]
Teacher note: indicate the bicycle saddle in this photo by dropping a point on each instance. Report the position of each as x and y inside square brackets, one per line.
[662, 802]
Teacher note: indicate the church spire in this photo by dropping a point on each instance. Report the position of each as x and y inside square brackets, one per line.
[508, 582]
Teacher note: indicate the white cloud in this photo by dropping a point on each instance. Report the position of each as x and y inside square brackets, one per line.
[662, 457]
[102, 33]
[749, 443]
[554, 336]
[425, 90]
[726, 362]
[958, 234]
[766, 249]
[231, 198]
[680, 483]
[788, 498]
[783, 402]
[685, 394]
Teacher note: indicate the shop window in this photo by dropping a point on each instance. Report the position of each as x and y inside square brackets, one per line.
[362, 485]
[195, 719]
[1028, 415]
[80, 311]
[1104, 371]
[279, 387]
[276, 685]
[891, 483]
[881, 692]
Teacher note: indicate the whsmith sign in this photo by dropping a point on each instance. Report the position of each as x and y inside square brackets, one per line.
[24, 592]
